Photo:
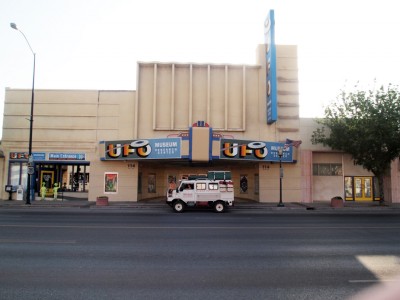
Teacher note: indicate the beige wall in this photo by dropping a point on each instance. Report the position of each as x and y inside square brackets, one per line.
[127, 180]
[287, 126]
[269, 182]
[162, 171]
[170, 97]
[66, 121]
[232, 99]
[2, 174]
[325, 187]
[67, 116]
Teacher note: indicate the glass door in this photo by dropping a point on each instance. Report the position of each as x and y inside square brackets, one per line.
[47, 180]
[363, 189]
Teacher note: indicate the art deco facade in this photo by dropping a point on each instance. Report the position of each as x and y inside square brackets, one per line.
[182, 119]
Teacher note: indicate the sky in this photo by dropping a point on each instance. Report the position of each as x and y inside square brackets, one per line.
[96, 44]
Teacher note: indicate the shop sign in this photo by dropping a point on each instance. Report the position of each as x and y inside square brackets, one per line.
[270, 56]
[67, 156]
[31, 170]
[25, 155]
[254, 150]
[143, 149]
[39, 156]
[19, 155]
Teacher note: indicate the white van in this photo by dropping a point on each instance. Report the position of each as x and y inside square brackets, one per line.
[214, 190]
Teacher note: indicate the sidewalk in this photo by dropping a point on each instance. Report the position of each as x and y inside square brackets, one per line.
[239, 204]
[45, 204]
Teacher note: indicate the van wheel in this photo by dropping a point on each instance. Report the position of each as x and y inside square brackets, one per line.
[178, 206]
[219, 206]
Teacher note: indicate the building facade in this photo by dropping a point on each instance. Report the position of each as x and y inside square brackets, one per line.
[182, 119]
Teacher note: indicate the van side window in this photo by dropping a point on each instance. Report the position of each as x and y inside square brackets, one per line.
[200, 186]
[213, 186]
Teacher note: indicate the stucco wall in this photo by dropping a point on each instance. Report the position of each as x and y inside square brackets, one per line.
[65, 121]
[173, 96]
[127, 180]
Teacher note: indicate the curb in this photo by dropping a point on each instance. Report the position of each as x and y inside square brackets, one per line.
[291, 206]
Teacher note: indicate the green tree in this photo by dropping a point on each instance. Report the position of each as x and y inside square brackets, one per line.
[365, 124]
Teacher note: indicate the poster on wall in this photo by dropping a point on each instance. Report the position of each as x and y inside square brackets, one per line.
[348, 186]
[172, 182]
[243, 184]
[151, 188]
[110, 182]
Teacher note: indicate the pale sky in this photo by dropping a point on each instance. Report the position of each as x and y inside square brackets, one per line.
[95, 44]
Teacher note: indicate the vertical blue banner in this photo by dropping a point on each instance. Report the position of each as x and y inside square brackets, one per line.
[269, 34]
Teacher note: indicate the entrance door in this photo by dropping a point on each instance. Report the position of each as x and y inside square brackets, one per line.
[363, 189]
[47, 178]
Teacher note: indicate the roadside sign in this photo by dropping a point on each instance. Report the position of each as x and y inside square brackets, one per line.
[31, 170]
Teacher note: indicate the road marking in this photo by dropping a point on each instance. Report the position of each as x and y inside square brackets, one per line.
[316, 227]
[373, 280]
[13, 241]
[226, 218]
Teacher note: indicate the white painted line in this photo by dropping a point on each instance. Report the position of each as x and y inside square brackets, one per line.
[13, 241]
[373, 280]
[198, 227]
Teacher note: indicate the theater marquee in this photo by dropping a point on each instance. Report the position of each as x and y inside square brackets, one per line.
[254, 150]
[166, 148]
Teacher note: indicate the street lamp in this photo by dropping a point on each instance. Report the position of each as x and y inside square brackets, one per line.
[280, 154]
[30, 158]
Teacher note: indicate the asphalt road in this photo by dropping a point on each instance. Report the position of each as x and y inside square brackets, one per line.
[158, 254]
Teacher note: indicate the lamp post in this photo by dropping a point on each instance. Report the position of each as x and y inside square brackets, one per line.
[280, 154]
[30, 158]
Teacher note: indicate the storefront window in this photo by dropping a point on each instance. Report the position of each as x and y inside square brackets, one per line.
[327, 170]
[324, 170]
[24, 175]
[18, 174]
[348, 185]
[151, 186]
[358, 187]
[361, 188]
[15, 171]
[336, 169]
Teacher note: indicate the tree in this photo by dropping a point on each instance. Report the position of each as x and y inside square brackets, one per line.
[365, 124]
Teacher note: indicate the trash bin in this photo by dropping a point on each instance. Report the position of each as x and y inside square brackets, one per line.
[337, 201]
[20, 193]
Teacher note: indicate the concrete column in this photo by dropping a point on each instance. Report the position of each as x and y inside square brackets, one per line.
[306, 176]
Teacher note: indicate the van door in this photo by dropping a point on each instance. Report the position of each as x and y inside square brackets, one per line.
[188, 192]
